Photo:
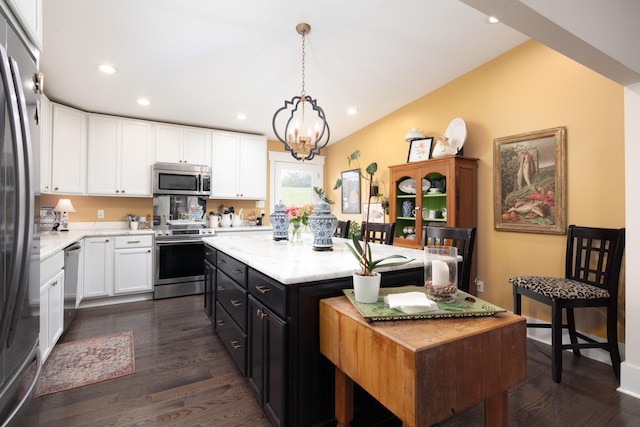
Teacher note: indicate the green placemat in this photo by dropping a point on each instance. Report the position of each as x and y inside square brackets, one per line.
[465, 305]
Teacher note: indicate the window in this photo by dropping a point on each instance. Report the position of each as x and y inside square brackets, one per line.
[292, 181]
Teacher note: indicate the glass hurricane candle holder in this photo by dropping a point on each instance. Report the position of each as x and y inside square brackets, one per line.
[441, 272]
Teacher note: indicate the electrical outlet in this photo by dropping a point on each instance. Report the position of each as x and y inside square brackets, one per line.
[260, 204]
[479, 285]
[100, 213]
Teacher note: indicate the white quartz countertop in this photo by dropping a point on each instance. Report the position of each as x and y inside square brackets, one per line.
[52, 242]
[290, 264]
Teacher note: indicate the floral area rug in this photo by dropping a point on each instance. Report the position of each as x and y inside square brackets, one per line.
[79, 363]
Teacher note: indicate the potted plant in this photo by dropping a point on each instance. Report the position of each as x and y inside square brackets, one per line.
[366, 281]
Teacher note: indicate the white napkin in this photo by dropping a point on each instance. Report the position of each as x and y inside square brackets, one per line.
[410, 302]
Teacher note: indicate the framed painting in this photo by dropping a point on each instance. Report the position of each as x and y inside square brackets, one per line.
[350, 191]
[529, 182]
[419, 149]
[375, 212]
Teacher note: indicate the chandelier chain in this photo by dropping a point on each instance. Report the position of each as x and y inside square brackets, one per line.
[303, 93]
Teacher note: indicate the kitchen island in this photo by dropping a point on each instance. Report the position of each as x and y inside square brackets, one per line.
[263, 296]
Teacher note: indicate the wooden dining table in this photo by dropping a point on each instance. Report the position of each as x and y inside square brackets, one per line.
[425, 370]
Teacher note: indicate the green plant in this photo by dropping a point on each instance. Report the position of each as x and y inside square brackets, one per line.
[322, 195]
[363, 255]
[354, 230]
[363, 252]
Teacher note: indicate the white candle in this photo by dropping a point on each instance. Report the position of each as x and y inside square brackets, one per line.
[439, 273]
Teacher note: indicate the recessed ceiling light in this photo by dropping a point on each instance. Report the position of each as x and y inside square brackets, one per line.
[107, 69]
[144, 101]
[492, 20]
[351, 111]
[241, 116]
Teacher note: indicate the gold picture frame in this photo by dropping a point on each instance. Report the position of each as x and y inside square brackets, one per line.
[530, 182]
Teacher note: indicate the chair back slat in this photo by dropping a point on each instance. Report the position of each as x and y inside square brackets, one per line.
[378, 232]
[594, 256]
[343, 229]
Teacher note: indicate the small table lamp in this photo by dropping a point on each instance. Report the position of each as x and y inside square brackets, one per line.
[64, 206]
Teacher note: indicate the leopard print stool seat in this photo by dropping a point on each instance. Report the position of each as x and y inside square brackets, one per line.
[559, 288]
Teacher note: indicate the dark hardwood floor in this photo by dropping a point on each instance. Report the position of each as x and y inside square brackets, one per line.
[184, 377]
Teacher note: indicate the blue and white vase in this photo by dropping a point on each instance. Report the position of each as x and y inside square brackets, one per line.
[322, 224]
[280, 222]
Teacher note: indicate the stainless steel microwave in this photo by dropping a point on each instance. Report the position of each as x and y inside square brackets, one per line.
[181, 179]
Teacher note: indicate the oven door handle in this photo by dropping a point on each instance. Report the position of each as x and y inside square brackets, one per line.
[180, 242]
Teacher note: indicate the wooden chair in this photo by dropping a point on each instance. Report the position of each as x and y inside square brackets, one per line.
[592, 271]
[343, 229]
[379, 232]
[461, 238]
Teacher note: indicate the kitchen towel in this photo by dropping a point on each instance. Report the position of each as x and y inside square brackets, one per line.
[410, 302]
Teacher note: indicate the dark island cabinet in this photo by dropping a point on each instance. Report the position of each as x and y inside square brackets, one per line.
[210, 283]
[292, 381]
[266, 370]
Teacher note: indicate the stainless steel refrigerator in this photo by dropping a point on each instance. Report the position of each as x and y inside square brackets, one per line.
[19, 255]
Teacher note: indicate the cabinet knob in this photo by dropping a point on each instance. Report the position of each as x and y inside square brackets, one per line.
[117, 191]
[55, 188]
[261, 314]
[106, 241]
[122, 191]
[220, 322]
[236, 345]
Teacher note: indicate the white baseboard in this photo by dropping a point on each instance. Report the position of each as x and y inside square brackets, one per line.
[544, 336]
[630, 380]
[98, 302]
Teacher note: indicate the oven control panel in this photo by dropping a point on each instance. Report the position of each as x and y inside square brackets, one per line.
[185, 233]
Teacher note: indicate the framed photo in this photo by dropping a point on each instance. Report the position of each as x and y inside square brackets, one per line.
[350, 191]
[376, 212]
[529, 182]
[420, 149]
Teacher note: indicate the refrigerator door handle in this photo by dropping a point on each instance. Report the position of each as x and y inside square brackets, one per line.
[27, 195]
[17, 263]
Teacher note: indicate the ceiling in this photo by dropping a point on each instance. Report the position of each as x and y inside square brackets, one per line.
[202, 62]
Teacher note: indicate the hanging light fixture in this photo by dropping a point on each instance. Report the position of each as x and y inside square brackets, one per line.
[304, 136]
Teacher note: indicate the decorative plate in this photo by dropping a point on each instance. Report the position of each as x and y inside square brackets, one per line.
[426, 184]
[457, 133]
[408, 186]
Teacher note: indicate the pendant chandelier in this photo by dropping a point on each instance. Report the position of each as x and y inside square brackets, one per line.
[304, 136]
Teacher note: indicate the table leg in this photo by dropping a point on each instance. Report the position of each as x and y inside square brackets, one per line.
[496, 410]
[344, 399]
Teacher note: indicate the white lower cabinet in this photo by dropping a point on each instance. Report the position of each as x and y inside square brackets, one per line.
[118, 265]
[98, 267]
[51, 302]
[132, 262]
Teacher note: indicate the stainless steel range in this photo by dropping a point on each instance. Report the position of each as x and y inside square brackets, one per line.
[179, 249]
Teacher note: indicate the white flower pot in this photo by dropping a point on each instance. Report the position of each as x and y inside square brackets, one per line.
[366, 288]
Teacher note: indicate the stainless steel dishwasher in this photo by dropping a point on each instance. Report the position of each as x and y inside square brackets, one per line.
[71, 273]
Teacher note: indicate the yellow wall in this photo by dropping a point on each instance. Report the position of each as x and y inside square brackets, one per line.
[529, 88]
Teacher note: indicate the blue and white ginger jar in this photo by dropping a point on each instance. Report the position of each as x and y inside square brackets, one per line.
[322, 224]
[280, 222]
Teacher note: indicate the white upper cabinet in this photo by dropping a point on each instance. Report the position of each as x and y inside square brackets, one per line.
[68, 151]
[238, 166]
[45, 145]
[181, 144]
[29, 15]
[119, 157]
